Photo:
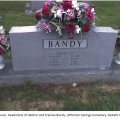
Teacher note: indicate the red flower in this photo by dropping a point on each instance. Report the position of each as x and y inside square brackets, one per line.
[38, 14]
[86, 28]
[117, 46]
[45, 10]
[70, 28]
[67, 4]
[1, 51]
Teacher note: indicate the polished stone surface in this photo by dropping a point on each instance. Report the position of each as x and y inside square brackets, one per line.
[29, 51]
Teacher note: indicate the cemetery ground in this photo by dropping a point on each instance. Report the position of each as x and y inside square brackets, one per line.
[90, 96]
[94, 96]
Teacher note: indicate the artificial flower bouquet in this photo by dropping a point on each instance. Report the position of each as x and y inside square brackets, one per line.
[4, 45]
[117, 46]
[69, 16]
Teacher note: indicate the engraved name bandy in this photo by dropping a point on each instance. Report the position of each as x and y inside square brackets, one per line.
[51, 44]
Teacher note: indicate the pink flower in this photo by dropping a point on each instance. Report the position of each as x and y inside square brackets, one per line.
[45, 26]
[70, 15]
[87, 10]
[91, 16]
[2, 37]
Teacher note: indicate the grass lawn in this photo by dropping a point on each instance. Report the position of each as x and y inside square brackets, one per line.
[96, 96]
[13, 14]
[84, 97]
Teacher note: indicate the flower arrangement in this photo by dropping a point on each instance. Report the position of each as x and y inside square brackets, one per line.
[70, 16]
[117, 47]
[4, 45]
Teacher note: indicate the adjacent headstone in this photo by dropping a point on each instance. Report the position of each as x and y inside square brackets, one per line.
[33, 50]
[28, 10]
[36, 4]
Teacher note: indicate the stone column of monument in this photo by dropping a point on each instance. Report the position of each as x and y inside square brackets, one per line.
[36, 5]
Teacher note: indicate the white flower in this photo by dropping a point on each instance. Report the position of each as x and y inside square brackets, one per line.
[74, 84]
[59, 13]
[2, 30]
[78, 29]
[93, 11]
[59, 0]
[74, 3]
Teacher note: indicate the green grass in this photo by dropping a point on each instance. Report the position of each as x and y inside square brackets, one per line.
[13, 14]
[107, 13]
[84, 97]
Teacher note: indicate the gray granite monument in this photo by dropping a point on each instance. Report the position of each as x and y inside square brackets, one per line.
[37, 50]
[36, 4]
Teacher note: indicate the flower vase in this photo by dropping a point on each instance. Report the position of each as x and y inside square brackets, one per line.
[118, 58]
[2, 65]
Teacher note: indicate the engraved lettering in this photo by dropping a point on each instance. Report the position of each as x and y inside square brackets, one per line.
[79, 43]
[57, 44]
[72, 43]
[64, 43]
[50, 44]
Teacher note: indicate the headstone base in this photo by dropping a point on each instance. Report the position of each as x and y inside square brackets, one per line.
[9, 78]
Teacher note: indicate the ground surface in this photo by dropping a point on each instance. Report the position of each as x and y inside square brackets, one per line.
[95, 97]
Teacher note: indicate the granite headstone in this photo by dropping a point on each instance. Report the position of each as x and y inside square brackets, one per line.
[36, 4]
[37, 50]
